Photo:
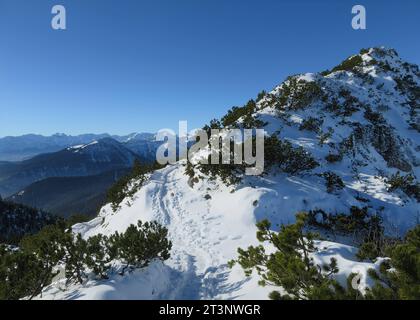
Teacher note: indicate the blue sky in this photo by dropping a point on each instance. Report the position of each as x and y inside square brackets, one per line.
[124, 66]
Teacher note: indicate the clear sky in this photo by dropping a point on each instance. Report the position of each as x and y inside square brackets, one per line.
[132, 65]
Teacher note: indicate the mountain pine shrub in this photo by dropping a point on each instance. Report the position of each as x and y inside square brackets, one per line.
[21, 275]
[98, 257]
[363, 228]
[333, 157]
[311, 124]
[129, 185]
[349, 64]
[399, 276]
[323, 137]
[291, 266]
[75, 258]
[333, 182]
[358, 223]
[289, 159]
[246, 113]
[405, 183]
[26, 270]
[297, 94]
[237, 112]
[261, 95]
[140, 244]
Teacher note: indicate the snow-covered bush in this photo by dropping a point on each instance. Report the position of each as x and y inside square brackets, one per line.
[333, 182]
[289, 159]
[128, 185]
[234, 114]
[357, 223]
[24, 272]
[291, 266]
[298, 93]
[311, 124]
[398, 277]
[140, 244]
[405, 183]
[347, 65]
[332, 157]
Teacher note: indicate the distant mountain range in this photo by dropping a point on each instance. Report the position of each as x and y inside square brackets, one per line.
[77, 161]
[27, 146]
[65, 175]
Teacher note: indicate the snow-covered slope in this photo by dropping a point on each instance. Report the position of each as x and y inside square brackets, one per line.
[367, 115]
[205, 234]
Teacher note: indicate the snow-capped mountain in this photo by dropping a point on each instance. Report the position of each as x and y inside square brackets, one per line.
[358, 121]
[89, 159]
[30, 145]
[143, 144]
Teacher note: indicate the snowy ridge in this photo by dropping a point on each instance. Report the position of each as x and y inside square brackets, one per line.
[205, 236]
[379, 149]
[77, 148]
[207, 223]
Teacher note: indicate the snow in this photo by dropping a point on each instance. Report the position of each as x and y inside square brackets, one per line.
[209, 222]
[144, 284]
[346, 261]
[77, 148]
[375, 187]
[309, 77]
[205, 236]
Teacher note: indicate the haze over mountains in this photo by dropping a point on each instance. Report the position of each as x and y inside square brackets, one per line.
[27, 146]
[69, 174]
[66, 196]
